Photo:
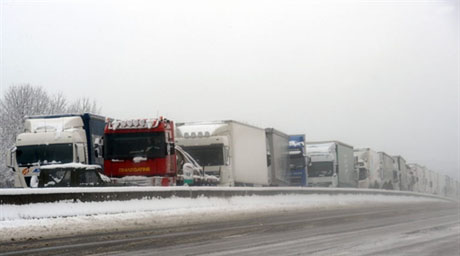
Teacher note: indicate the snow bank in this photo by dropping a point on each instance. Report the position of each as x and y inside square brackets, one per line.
[26, 191]
[66, 218]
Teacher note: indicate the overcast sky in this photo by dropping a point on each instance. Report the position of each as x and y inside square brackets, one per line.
[379, 74]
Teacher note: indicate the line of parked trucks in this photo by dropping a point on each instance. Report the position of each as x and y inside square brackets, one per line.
[52, 149]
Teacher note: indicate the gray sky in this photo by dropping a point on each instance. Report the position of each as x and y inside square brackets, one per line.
[380, 74]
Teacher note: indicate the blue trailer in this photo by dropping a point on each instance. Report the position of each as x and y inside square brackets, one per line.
[298, 160]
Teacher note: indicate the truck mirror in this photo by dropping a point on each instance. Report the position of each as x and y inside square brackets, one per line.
[9, 161]
[172, 149]
[227, 155]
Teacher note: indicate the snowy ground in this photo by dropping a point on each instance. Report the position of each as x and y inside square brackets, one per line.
[18, 222]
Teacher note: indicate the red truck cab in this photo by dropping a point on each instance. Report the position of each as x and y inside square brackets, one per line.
[140, 148]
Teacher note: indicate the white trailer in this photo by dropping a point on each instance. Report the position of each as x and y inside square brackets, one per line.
[332, 164]
[234, 152]
[402, 172]
[411, 179]
[442, 185]
[420, 178]
[450, 189]
[278, 162]
[387, 171]
[367, 163]
[433, 182]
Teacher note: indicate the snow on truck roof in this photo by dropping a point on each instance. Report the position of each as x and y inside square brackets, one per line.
[199, 129]
[141, 123]
[330, 141]
[205, 128]
[70, 165]
[52, 124]
[320, 147]
[65, 115]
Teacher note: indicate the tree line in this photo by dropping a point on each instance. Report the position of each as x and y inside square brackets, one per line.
[22, 100]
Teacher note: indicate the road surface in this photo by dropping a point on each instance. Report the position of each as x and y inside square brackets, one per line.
[390, 229]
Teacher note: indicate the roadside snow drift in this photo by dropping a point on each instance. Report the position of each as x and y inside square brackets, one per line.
[66, 218]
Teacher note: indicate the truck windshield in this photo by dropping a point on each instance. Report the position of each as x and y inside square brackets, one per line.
[362, 173]
[130, 145]
[44, 154]
[321, 169]
[296, 161]
[210, 155]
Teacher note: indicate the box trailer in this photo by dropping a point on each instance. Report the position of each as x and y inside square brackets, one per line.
[233, 151]
[332, 164]
[367, 163]
[278, 153]
[387, 171]
[420, 178]
[402, 172]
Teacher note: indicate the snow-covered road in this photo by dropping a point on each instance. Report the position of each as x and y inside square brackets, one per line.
[47, 220]
[275, 225]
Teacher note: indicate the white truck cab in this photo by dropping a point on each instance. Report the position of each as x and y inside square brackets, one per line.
[55, 139]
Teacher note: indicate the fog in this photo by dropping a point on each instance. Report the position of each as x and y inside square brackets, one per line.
[379, 74]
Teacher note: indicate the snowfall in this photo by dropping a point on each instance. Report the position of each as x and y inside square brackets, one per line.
[47, 220]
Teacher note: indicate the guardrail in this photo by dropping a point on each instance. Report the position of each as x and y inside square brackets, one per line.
[48, 195]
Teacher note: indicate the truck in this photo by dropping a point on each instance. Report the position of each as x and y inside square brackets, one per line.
[140, 151]
[404, 176]
[332, 164]
[56, 139]
[143, 152]
[367, 163]
[387, 171]
[401, 173]
[278, 153]
[298, 161]
[433, 182]
[234, 152]
[420, 178]
[411, 179]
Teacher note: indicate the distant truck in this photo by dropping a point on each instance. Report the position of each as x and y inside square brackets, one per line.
[298, 161]
[419, 180]
[332, 164]
[278, 154]
[389, 176]
[367, 165]
[237, 153]
[404, 173]
[56, 139]
[433, 182]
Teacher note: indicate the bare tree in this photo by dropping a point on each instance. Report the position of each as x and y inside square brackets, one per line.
[58, 104]
[18, 102]
[84, 105]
